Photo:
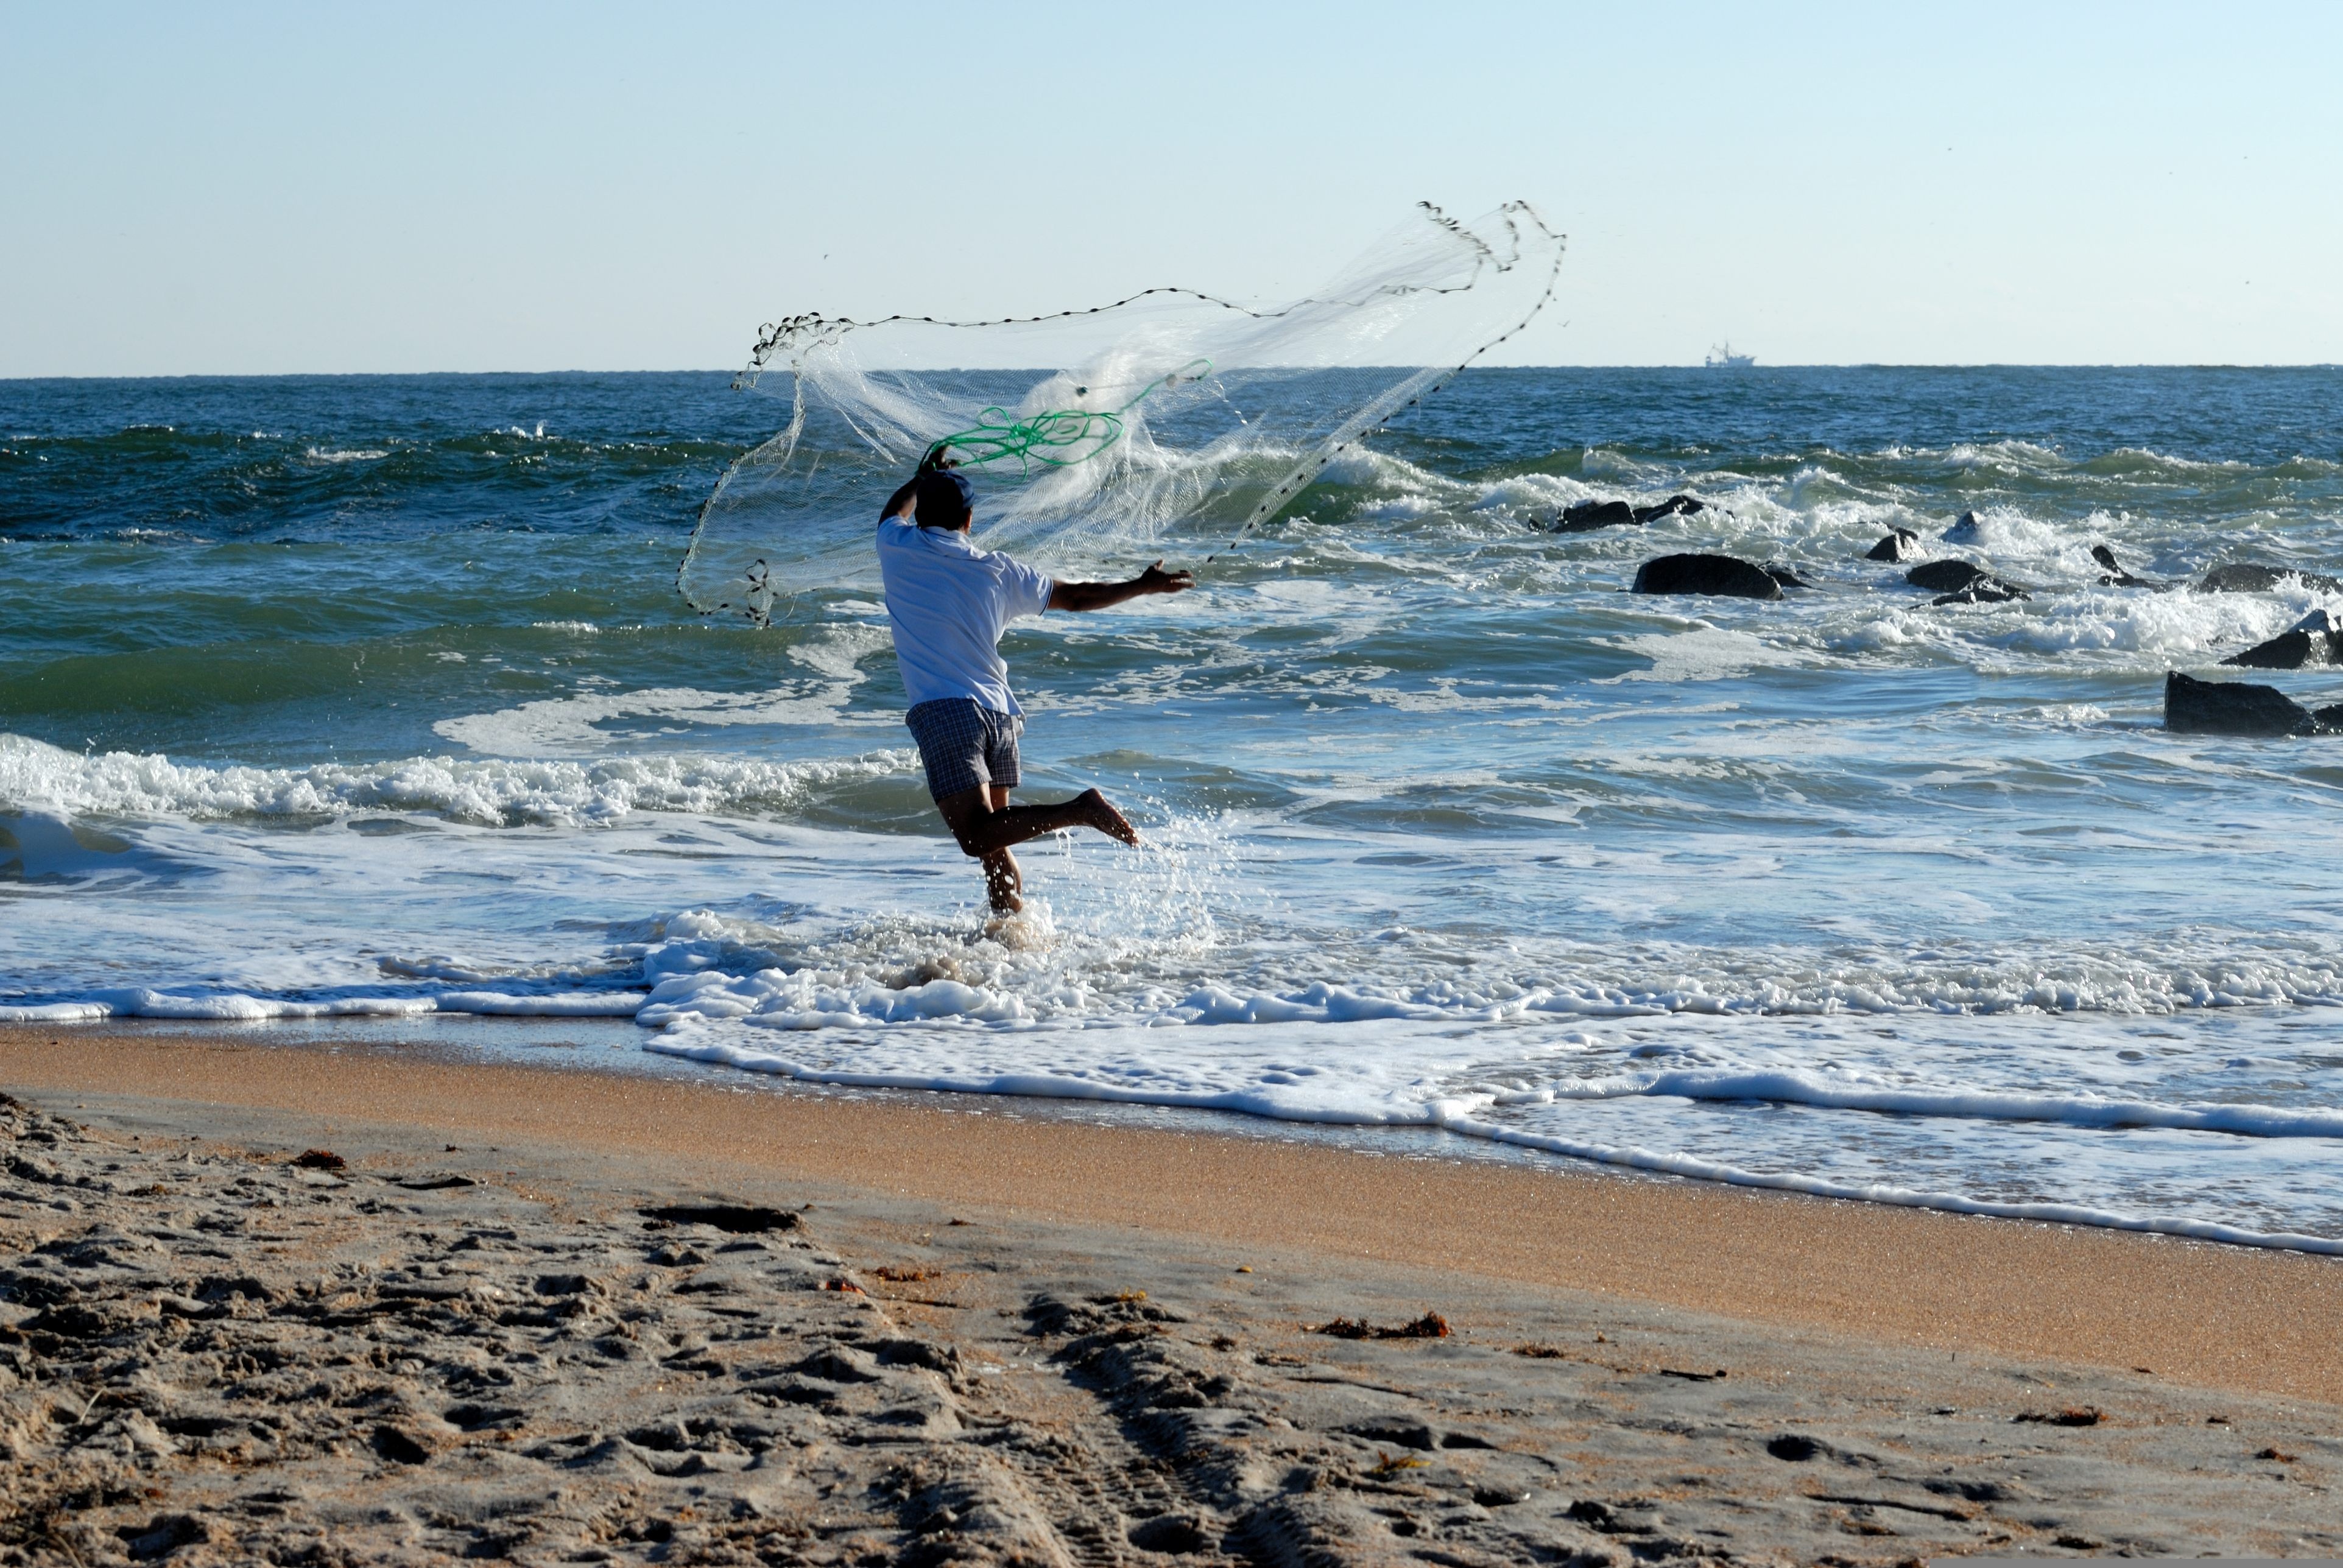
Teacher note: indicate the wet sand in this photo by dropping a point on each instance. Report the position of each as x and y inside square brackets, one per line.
[209, 1350]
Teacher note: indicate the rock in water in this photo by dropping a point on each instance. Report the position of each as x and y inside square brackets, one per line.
[1967, 529]
[1706, 574]
[1587, 515]
[1900, 545]
[2194, 706]
[2315, 641]
[1785, 576]
[2117, 577]
[1959, 582]
[1945, 577]
[2242, 577]
[1669, 508]
[1984, 590]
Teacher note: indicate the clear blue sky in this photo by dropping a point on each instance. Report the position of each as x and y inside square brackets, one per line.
[259, 188]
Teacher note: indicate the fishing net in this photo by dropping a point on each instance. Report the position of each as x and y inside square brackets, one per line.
[1169, 422]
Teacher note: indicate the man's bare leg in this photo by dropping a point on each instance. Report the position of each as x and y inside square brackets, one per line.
[1004, 880]
[986, 826]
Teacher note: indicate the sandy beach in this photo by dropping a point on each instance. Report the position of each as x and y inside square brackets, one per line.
[261, 1303]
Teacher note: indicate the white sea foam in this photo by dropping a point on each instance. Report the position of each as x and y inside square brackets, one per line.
[121, 783]
[1841, 1092]
[1131, 972]
[1289, 1087]
[594, 721]
[1901, 1197]
[2176, 627]
[239, 1007]
[1704, 653]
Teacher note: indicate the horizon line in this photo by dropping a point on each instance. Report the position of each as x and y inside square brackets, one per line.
[1722, 371]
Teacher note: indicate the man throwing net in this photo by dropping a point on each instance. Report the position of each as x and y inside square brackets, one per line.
[947, 603]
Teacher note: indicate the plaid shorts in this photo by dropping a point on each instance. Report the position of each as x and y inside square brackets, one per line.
[964, 745]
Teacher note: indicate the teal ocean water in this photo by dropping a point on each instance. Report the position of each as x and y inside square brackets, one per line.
[365, 697]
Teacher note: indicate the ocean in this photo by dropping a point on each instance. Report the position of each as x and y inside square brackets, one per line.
[329, 700]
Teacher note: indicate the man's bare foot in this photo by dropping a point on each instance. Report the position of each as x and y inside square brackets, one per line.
[1099, 813]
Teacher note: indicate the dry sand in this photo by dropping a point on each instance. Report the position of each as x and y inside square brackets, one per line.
[211, 1353]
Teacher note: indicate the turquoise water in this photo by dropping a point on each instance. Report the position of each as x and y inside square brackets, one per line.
[360, 696]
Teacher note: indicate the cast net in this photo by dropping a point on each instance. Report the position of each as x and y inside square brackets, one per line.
[1170, 423]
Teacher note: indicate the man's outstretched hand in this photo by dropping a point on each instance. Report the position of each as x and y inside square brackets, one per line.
[1073, 596]
[1155, 579]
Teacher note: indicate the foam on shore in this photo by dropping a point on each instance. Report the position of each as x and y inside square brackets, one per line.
[488, 791]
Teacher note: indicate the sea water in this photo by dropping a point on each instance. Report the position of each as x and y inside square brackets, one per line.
[365, 697]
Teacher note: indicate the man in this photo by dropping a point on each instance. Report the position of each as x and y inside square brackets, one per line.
[947, 603]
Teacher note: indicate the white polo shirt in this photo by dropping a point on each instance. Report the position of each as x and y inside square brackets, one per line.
[947, 603]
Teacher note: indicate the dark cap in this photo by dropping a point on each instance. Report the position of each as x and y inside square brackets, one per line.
[944, 498]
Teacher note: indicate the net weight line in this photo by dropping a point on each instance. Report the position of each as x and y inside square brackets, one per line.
[793, 337]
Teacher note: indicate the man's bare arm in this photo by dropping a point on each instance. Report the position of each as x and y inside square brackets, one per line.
[1079, 597]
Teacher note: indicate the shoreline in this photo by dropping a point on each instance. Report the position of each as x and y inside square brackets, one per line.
[2204, 1314]
[523, 1040]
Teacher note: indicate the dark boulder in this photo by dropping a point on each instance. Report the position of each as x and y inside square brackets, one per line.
[1706, 574]
[2315, 641]
[1967, 529]
[1584, 516]
[1785, 576]
[1587, 515]
[2117, 577]
[1670, 508]
[1945, 577]
[1959, 582]
[2194, 706]
[1900, 545]
[2243, 577]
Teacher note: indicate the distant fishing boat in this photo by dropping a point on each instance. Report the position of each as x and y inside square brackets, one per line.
[1722, 358]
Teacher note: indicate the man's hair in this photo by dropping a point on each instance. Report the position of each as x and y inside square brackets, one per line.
[945, 500]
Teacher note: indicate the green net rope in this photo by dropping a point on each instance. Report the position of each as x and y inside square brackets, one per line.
[1056, 437]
